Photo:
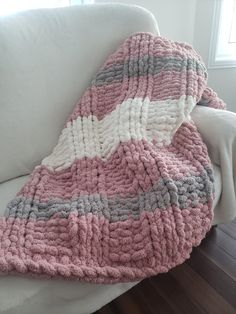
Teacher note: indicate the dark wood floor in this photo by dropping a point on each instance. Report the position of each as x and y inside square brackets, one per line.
[206, 283]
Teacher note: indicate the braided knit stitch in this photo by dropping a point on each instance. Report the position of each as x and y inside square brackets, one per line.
[127, 192]
[210, 99]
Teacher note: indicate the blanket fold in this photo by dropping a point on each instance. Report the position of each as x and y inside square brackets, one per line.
[127, 192]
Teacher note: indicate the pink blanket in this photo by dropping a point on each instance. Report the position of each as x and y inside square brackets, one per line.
[127, 192]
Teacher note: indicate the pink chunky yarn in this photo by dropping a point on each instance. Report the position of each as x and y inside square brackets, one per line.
[127, 191]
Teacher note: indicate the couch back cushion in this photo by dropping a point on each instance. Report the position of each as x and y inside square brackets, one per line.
[47, 59]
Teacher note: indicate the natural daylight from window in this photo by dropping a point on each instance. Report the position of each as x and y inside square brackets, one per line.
[223, 42]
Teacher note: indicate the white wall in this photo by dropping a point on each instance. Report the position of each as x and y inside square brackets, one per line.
[171, 16]
[223, 81]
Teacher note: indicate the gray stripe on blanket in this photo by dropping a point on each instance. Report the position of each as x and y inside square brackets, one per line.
[146, 65]
[188, 192]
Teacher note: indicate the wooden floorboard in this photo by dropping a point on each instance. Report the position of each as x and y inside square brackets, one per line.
[224, 241]
[201, 291]
[171, 290]
[204, 284]
[229, 229]
[218, 256]
[219, 280]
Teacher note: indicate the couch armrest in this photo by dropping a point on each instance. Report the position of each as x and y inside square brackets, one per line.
[218, 130]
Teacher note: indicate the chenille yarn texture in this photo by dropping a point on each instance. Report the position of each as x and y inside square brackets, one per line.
[127, 192]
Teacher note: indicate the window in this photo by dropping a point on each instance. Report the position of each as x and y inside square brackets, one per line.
[13, 6]
[223, 40]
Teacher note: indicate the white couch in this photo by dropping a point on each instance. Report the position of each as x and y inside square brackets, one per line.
[47, 59]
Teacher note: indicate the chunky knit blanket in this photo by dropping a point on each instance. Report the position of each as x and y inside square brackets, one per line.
[127, 192]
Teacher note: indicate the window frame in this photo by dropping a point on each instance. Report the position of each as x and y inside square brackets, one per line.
[213, 61]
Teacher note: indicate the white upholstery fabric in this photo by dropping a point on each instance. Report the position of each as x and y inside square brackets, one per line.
[218, 130]
[20, 295]
[8, 191]
[47, 59]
